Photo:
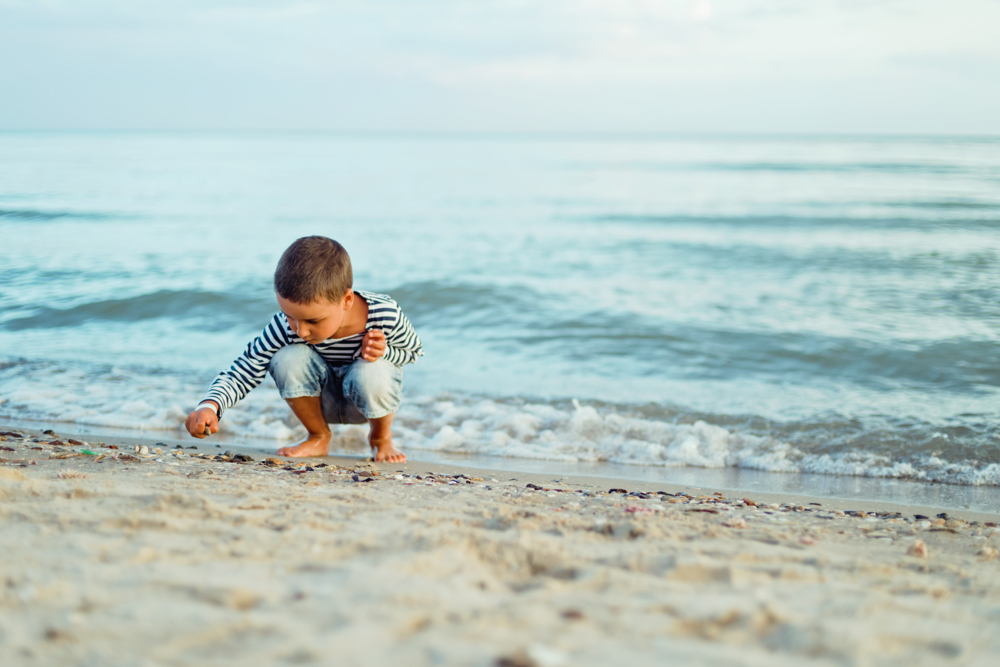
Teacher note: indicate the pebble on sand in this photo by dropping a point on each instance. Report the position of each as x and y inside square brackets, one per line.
[987, 552]
[918, 549]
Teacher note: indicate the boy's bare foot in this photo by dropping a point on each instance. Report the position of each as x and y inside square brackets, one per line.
[316, 445]
[383, 450]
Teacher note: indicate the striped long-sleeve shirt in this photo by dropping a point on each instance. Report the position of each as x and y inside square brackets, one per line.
[402, 347]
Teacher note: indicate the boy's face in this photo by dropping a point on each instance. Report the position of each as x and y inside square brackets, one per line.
[315, 322]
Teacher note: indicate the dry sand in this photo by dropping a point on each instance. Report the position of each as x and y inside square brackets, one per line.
[167, 559]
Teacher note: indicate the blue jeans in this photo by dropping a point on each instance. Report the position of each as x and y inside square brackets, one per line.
[350, 394]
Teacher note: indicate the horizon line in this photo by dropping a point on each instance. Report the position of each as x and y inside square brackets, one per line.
[523, 133]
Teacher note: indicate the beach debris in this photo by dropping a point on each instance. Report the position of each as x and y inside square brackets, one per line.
[736, 522]
[536, 655]
[918, 549]
[6, 449]
[72, 474]
[573, 614]
[48, 432]
[614, 491]
[88, 452]
[11, 434]
[987, 552]
[142, 450]
[806, 540]
[77, 443]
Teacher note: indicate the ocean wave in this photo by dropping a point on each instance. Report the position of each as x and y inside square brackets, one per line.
[580, 433]
[213, 310]
[861, 167]
[926, 216]
[41, 215]
[128, 400]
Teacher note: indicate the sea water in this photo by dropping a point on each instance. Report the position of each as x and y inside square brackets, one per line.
[807, 305]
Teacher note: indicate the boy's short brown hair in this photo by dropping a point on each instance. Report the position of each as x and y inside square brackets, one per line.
[313, 268]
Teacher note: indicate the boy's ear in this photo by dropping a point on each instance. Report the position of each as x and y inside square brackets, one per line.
[348, 299]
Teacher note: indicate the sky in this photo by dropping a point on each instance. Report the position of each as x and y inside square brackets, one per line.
[686, 66]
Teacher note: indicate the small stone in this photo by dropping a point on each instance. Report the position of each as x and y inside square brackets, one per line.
[918, 549]
[49, 431]
[806, 540]
[141, 449]
[736, 522]
[987, 552]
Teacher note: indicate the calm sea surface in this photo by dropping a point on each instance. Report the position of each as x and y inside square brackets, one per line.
[804, 305]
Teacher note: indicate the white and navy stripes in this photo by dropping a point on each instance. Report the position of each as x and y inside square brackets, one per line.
[402, 347]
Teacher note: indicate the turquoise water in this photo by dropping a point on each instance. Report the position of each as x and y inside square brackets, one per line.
[784, 304]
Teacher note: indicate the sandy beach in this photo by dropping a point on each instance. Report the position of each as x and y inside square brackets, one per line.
[164, 556]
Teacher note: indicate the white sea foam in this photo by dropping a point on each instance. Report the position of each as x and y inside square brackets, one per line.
[119, 400]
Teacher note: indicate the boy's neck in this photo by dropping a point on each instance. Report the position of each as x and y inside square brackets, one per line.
[355, 320]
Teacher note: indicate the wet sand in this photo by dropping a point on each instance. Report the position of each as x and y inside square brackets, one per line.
[176, 557]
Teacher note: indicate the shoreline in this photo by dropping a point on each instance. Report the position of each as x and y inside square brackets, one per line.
[176, 556]
[978, 502]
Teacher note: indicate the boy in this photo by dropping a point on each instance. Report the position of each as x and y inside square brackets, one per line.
[335, 354]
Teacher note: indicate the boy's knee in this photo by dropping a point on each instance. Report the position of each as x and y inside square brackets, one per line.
[374, 383]
[295, 364]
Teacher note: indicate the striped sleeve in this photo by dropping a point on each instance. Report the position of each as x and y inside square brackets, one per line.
[249, 369]
[403, 346]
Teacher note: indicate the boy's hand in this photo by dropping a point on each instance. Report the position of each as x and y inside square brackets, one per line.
[373, 345]
[202, 423]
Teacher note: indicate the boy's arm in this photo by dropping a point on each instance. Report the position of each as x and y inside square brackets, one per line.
[403, 346]
[249, 369]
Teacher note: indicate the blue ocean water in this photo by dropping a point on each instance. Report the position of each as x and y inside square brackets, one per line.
[785, 304]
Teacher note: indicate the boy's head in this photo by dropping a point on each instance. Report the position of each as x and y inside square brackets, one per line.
[314, 269]
[313, 285]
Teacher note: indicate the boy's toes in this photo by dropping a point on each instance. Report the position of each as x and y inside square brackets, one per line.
[392, 456]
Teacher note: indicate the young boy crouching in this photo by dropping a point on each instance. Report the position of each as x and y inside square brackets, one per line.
[336, 354]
